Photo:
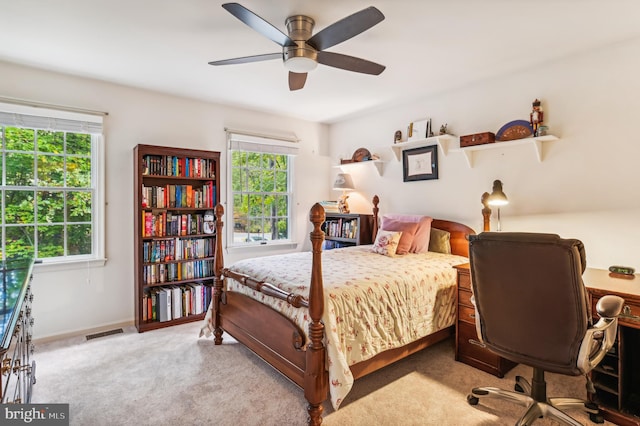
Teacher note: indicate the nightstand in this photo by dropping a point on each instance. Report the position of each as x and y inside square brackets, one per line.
[469, 348]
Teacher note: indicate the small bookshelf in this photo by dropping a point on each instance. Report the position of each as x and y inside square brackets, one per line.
[347, 229]
[175, 192]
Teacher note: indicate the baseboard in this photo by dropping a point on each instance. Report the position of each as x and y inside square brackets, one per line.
[83, 333]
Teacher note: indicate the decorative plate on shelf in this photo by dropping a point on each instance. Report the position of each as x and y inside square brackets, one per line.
[361, 154]
[516, 129]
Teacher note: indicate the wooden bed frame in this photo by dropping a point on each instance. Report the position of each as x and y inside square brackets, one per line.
[282, 342]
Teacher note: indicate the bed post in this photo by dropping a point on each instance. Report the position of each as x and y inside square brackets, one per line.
[374, 231]
[218, 264]
[486, 212]
[316, 381]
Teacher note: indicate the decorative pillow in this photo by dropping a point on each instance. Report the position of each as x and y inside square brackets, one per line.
[440, 241]
[387, 243]
[420, 243]
[408, 230]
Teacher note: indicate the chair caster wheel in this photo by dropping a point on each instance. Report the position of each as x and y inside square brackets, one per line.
[595, 418]
[518, 388]
[472, 400]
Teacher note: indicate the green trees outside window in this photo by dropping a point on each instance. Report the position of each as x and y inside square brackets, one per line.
[261, 196]
[47, 193]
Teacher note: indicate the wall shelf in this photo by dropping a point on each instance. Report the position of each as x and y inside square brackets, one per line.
[537, 143]
[349, 166]
[442, 140]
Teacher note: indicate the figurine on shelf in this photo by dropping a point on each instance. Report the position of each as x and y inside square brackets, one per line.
[536, 117]
[443, 129]
[209, 222]
[343, 206]
[397, 137]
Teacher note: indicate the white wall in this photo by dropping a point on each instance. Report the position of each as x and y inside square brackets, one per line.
[588, 184]
[95, 297]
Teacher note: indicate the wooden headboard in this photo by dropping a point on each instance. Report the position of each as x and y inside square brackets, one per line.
[459, 233]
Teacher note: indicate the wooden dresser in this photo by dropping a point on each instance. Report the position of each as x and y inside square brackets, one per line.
[469, 349]
[17, 369]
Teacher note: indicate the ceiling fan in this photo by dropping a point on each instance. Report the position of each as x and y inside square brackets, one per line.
[302, 51]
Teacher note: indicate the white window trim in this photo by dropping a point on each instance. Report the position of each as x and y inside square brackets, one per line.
[58, 120]
[246, 141]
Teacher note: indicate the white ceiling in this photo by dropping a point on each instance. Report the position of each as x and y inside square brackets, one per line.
[428, 46]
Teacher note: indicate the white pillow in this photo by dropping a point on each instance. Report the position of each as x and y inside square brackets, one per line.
[386, 243]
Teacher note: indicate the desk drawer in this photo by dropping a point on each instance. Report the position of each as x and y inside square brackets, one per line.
[470, 351]
[470, 346]
[464, 280]
[464, 298]
[467, 314]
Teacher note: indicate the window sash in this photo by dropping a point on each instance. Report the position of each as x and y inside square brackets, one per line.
[263, 145]
[22, 116]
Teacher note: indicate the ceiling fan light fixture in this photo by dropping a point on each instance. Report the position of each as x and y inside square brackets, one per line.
[300, 64]
[301, 49]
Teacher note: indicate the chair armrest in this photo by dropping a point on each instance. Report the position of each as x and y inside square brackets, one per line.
[599, 339]
[609, 306]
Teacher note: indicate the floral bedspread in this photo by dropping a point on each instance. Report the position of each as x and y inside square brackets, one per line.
[372, 302]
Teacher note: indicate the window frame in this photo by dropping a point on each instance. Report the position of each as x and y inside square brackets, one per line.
[40, 118]
[264, 145]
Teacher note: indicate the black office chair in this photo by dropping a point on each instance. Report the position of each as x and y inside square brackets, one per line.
[532, 308]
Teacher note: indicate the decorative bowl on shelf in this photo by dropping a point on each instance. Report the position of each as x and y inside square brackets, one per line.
[361, 154]
[516, 129]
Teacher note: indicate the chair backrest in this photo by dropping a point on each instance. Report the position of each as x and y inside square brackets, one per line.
[531, 304]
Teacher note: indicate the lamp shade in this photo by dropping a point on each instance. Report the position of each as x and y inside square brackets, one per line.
[343, 182]
[497, 197]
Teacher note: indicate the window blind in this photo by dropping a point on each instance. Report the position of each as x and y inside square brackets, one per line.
[48, 119]
[238, 141]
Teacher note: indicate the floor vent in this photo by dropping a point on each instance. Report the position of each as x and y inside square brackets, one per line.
[104, 333]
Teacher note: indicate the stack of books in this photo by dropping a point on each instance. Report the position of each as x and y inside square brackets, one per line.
[330, 206]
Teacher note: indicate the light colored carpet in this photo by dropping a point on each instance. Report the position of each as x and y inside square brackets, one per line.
[172, 377]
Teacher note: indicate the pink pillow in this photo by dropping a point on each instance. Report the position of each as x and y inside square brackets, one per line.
[420, 243]
[408, 230]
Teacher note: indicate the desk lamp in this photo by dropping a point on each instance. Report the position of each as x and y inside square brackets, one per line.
[497, 199]
[345, 183]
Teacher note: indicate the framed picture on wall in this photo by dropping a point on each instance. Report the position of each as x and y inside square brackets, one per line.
[419, 130]
[420, 163]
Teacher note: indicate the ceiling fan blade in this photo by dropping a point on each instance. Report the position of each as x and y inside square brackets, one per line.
[247, 59]
[297, 80]
[349, 63]
[258, 24]
[346, 28]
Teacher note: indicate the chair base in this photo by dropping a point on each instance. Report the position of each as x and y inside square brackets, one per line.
[539, 406]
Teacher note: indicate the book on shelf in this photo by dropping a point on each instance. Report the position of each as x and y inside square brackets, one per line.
[161, 165]
[342, 228]
[164, 305]
[330, 244]
[168, 303]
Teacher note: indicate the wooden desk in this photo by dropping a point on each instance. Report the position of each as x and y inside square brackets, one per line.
[617, 378]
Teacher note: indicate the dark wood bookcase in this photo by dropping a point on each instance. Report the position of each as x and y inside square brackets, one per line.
[347, 229]
[174, 189]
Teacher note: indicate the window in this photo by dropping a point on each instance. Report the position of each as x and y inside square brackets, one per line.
[261, 196]
[50, 197]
